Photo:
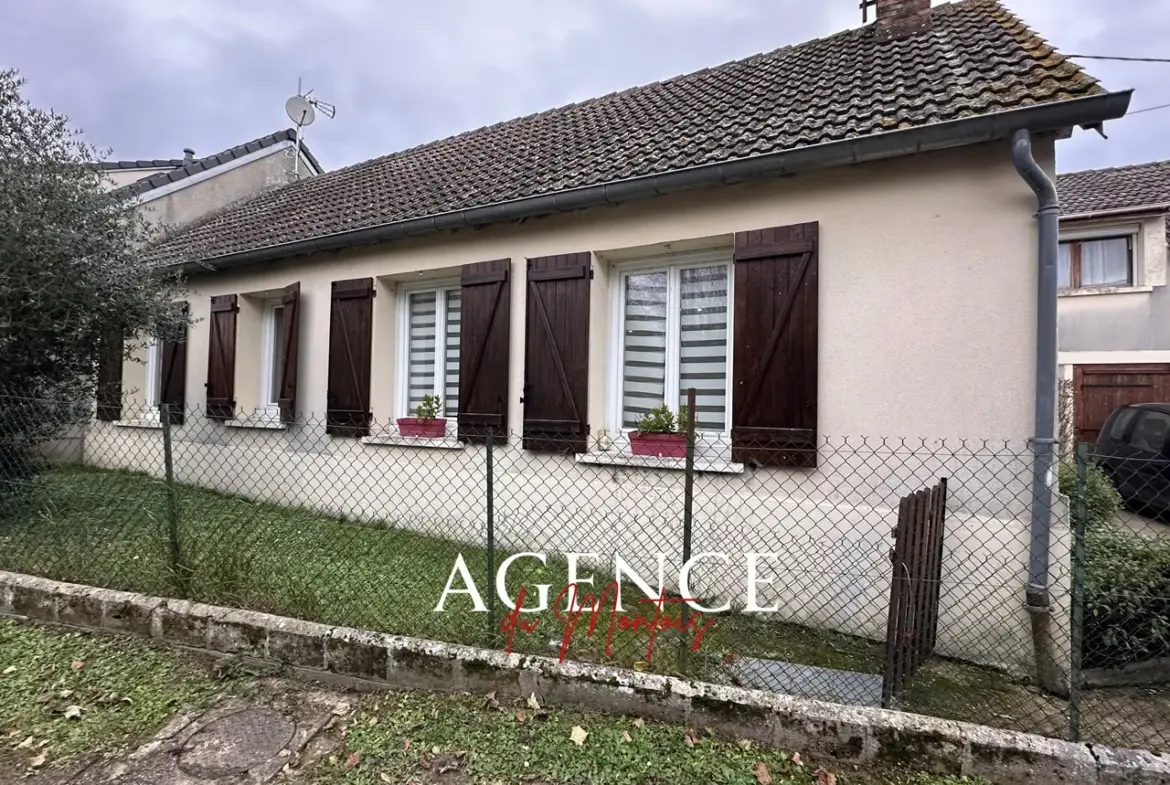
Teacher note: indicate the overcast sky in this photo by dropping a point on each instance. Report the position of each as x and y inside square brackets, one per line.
[150, 77]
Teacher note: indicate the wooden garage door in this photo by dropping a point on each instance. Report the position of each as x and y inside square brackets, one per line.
[1102, 388]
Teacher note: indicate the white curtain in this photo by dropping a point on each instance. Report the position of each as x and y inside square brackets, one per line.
[1105, 262]
[1063, 263]
[644, 358]
[703, 344]
[421, 349]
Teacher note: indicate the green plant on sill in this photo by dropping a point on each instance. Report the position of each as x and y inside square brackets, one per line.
[661, 419]
[430, 408]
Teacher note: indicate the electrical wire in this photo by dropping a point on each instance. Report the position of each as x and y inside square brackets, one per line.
[1124, 59]
[1148, 109]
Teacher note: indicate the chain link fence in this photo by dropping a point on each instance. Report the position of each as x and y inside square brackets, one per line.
[790, 570]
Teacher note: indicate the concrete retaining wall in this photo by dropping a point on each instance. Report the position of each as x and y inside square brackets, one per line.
[844, 733]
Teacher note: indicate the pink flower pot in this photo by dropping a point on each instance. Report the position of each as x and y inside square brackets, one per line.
[663, 445]
[427, 429]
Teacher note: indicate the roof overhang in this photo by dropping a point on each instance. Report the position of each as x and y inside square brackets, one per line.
[1143, 210]
[1049, 118]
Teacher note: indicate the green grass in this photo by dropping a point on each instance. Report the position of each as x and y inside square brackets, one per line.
[399, 737]
[124, 689]
[109, 528]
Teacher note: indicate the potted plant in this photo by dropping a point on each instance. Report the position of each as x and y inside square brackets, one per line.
[426, 421]
[660, 433]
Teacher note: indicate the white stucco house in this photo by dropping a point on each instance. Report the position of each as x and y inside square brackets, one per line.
[833, 241]
[1114, 303]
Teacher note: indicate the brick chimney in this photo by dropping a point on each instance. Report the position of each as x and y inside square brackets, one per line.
[896, 18]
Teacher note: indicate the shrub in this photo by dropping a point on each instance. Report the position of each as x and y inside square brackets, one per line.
[661, 419]
[1101, 499]
[1127, 598]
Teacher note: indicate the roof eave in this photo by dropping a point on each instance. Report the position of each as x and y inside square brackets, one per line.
[1056, 117]
[1156, 208]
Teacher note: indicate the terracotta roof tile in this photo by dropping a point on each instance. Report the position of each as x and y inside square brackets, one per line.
[975, 58]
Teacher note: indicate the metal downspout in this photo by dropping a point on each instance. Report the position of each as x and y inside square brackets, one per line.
[1037, 594]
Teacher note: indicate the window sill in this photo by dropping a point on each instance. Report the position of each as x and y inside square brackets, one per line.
[395, 440]
[263, 423]
[141, 422]
[704, 465]
[1091, 290]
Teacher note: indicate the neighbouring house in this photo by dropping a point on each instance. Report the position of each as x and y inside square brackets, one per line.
[1114, 303]
[173, 192]
[832, 242]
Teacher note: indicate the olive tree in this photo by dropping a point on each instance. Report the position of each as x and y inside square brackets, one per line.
[72, 279]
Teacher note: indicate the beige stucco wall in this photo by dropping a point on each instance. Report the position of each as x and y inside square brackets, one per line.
[116, 178]
[927, 332]
[273, 168]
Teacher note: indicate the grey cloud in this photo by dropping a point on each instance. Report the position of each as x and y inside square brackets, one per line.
[149, 78]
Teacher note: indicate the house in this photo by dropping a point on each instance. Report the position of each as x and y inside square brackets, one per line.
[175, 191]
[171, 193]
[1114, 303]
[835, 243]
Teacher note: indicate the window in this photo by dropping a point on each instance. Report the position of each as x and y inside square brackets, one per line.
[1150, 432]
[431, 348]
[152, 389]
[675, 334]
[1106, 261]
[272, 358]
[1121, 423]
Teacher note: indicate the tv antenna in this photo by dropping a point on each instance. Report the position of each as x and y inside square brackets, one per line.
[302, 109]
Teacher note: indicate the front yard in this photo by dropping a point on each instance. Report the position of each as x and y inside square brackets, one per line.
[110, 529]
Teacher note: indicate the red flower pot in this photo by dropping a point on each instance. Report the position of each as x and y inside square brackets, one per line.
[428, 429]
[663, 445]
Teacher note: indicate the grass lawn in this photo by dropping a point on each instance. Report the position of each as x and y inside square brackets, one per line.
[127, 690]
[63, 695]
[109, 528]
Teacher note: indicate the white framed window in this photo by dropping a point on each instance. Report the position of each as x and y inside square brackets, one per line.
[1087, 262]
[152, 389]
[429, 347]
[674, 332]
[271, 358]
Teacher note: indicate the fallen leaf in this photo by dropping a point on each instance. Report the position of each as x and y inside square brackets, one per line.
[353, 760]
[72, 712]
[373, 721]
[406, 744]
[639, 722]
[38, 761]
[26, 744]
[9, 670]
[626, 735]
[745, 744]
[77, 665]
[533, 703]
[341, 709]
[763, 776]
[521, 716]
[385, 777]
[826, 777]
[641, 665]
[64, 693]
[796, 759]
[578, 735]
[490, 701]
[690, 737]
[730, 657]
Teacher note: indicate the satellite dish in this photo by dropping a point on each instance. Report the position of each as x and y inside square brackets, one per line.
[300, 111]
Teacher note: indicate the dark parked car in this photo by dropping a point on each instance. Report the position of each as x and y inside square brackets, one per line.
[1134, 450]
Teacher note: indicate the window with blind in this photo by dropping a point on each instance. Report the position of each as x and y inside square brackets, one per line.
[1105, 261]
[675, 335]
[432, 348]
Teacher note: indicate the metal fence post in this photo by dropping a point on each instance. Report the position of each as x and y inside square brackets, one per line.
[491, 539]
[177, 569]
[688, 512]
[1079, 515]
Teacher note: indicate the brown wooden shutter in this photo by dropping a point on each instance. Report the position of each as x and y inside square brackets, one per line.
[351, 331]
[556, 362]
[483, 351]
[109, 376]
[289, 351]
[774, 403]
[221, 357]
[173, 385]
